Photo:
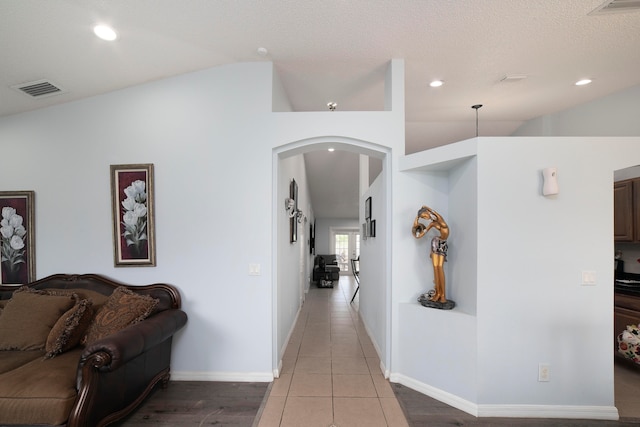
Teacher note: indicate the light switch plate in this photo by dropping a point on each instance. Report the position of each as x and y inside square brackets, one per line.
[589, 278]
[254, 269]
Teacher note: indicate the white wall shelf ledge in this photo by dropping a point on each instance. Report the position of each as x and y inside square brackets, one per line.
[441, 158]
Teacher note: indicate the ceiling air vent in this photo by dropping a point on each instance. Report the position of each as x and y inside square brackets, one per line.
[39, 88]
[617, 6]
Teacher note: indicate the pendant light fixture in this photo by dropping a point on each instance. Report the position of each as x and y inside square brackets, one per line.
[476, 107]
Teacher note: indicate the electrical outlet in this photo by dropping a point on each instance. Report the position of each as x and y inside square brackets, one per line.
[544, 372]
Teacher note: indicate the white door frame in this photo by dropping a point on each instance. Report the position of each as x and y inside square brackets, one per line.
[323, 143]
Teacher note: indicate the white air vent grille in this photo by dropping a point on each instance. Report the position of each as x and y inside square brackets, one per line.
[617, 6]
[39, 88]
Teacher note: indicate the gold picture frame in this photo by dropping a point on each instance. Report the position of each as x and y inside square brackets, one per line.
[17, 237]
[132, 202]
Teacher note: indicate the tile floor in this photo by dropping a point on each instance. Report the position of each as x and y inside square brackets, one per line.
[331, 372]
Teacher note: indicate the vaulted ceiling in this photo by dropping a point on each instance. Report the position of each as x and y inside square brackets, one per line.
[519, 58]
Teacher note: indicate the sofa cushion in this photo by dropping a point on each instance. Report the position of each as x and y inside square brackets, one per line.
[29, 316]
[69, 329]
[41, 391]
[11, 359]
[123, 308]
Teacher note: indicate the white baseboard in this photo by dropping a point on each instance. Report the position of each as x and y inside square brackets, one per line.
[246, 377]
[436, 393]
[509, 411]
[549, 411]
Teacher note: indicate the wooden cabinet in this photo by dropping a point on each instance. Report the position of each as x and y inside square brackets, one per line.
[626, 312]
[626, 213]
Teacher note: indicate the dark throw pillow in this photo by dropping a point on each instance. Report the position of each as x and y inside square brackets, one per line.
[69, 329]
[123, 308]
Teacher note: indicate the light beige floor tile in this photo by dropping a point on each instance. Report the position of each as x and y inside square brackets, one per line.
[310, 385]
[346, 350]
[272, 412]
[343, 329]
[374, 365]
[281, 385]
[393, 412]
[353, 386]
[313, 365]
[358, 412]
[383, 388]
[288, 365]
[315, 350]
[349, 365]
[344, 339]
[307, 412]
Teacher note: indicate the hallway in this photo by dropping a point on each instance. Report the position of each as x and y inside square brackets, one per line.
[331, 372]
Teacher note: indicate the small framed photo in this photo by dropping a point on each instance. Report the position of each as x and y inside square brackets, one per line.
[372, 228]
[132, 202]
[17, 237]
[367, 208]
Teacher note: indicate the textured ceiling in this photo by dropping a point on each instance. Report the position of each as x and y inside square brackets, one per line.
[336, 50]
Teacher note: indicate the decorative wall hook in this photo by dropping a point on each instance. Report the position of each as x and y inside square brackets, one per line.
[290, 208]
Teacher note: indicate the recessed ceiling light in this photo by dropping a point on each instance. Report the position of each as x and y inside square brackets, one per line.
[105, 32]
[583, 82]
[331, 150]
[262, 51]
[436, 83]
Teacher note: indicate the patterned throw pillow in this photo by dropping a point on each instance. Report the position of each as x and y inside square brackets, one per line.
[69, 329]
[28, 317]
[123, 308]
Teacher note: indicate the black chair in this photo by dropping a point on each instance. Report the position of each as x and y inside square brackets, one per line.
[355, 269]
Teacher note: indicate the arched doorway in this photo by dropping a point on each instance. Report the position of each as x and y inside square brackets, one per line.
[281, 308]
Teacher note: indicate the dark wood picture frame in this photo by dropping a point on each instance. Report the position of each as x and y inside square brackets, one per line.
[367, 208]
[293, 221]
[372, 228]
[132, 202]
[17, 237]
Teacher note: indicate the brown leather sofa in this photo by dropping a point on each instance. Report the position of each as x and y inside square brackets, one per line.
[95, 384]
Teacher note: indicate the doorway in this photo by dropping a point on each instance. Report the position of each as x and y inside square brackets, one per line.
[283, 283]
[346, 245]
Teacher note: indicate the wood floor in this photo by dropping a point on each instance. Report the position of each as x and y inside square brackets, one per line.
[200, 403]
[189, 403]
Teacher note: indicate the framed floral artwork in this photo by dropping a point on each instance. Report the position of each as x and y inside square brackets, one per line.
[17, 237]
[133, 217]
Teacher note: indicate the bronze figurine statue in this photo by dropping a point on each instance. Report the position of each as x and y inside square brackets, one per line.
[437, 297]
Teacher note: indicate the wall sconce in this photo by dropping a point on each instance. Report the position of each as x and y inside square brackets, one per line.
[550, 181]
[290, 208]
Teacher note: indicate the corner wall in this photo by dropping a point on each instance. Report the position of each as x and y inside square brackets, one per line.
[531, 306]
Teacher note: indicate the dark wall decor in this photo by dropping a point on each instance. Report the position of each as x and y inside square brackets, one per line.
[293, 222]
[369, 227]
[367, 208]
[17, 237]
[132, 201]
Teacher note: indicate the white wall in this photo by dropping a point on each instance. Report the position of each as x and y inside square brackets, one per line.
[211, 136]
[531, 307]
[374, 266]
[532, 251]
[293, 257]
[613, 115]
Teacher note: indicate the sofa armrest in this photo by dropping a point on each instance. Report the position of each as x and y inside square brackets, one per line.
[113, 351]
